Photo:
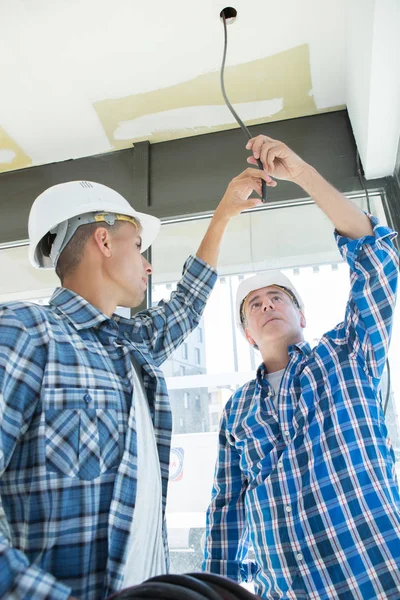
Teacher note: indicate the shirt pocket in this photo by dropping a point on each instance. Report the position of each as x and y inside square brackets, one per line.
[82, 435]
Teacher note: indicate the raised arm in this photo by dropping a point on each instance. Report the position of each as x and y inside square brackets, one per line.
[235, 200]
[282, 163]
[163, 328]
[366, 246]
[374, 271]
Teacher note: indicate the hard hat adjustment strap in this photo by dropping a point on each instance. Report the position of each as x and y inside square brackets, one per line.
[110, 218]
[65, 230]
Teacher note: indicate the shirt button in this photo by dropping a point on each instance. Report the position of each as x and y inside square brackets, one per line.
[87, 398]
[299, 556]
[288, 509]
[280, 464]
[287, 433]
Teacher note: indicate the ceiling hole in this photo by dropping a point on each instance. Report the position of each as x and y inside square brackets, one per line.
[229, 13]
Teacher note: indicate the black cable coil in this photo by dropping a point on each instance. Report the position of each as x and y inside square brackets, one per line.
[191, 586]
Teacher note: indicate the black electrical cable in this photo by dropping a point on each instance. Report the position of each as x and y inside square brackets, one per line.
[234, 113]
[364, 186]
[189, 582]
[362, 181]
[224, 594]
[190, 586]
[158, 591]
[239, 592]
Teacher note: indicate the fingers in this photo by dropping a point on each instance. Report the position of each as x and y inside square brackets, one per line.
[266, 149]
[255, 144]
[268, 153]
[269, 181]
[256, 201]
[257, 174]
[251, 202]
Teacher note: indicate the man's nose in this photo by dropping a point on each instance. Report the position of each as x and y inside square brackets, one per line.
[268, 305]
[147, 266]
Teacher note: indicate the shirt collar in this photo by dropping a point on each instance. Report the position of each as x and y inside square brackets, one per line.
[303, 348]
[77, 310]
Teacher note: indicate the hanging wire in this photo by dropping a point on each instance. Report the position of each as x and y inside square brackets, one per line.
[234, 113]
[362, 181]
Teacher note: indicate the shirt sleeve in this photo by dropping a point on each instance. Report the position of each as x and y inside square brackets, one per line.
[374, 264]
[164, 327]
[20, 382]
[227, 536]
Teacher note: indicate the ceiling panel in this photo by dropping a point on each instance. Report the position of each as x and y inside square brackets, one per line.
[83, 78]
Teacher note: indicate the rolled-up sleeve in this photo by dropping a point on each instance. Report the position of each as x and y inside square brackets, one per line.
[164, 327]
[374, 266]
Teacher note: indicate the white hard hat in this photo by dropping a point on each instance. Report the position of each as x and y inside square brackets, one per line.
[67, 200]
[259, 281]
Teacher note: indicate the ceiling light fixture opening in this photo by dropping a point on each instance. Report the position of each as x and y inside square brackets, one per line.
[229, 13]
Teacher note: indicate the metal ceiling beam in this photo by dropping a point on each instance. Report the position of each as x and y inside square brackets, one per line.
[188, 176]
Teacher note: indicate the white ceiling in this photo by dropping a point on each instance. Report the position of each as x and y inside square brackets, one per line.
[89, 76]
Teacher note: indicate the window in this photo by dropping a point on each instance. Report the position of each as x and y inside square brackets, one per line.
[20, 281]
[215, 420]
[185, 350]
[182, 370]
[186, 400]
[200, 335]
[197, 356]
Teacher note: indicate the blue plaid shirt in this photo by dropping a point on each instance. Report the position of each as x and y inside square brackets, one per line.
[68, 451]
[312, 484]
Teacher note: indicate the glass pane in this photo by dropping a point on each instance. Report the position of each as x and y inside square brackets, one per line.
[19, 280]
[298, 240]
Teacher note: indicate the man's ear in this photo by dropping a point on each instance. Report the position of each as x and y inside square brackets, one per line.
[303, 321]
[249, 338]
[102, 239]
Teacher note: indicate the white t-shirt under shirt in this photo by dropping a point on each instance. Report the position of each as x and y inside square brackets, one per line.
[145, 553]
[274, 379]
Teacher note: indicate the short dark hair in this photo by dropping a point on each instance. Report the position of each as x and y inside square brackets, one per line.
[72, 254]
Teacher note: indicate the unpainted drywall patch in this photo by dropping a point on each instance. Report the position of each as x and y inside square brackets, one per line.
[11, 155]
[284, 78]
[193, 118]
[7, 156]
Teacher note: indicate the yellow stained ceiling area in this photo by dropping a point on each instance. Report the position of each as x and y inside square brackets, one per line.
[19, 160]
[285, 75]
